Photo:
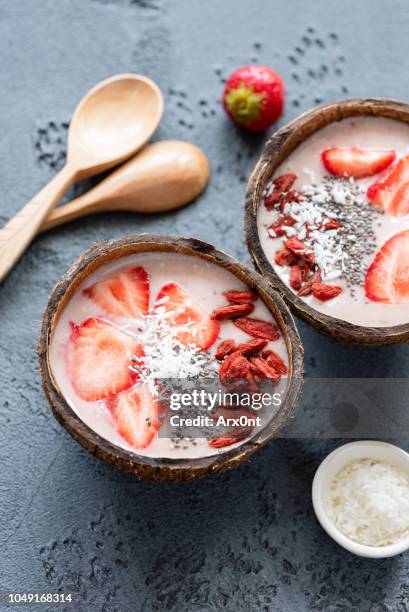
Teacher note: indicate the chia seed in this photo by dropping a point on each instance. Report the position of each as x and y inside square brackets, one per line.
[341, 252]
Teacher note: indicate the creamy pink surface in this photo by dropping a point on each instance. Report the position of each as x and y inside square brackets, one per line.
[306, 163]
[204, 281]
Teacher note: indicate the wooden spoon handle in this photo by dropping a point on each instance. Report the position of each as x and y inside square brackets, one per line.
[80, 207]
[17, 234]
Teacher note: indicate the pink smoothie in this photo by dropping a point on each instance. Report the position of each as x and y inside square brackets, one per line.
[305, 162]
[205, 282]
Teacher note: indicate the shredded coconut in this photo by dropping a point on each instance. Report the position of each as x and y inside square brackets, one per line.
[164, 356]
[369, 502]
[341, 251]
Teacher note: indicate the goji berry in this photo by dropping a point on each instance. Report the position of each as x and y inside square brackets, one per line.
[331, 224]
[282, 184]
[263, 369]
[282, 222]
[325, 292]
[300, 249]
[306, 289]
[240, 297]
[225, 348]
[252, 346]
[257, 328]
[230, 438]
[297, 276]
[285, 258]
[288, 198]
[275, 361]
[235, 366]
[232, 311]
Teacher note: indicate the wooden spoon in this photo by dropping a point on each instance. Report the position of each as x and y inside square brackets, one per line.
[113, 121]
[165, 175]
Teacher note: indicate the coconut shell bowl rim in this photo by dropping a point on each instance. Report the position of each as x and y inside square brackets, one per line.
[184, 469]
[279, 146]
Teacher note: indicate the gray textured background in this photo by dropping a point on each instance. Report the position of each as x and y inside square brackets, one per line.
[247, 540]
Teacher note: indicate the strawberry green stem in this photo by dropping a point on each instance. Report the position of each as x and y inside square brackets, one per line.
[244, 104]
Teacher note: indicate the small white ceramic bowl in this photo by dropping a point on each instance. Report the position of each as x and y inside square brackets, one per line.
[368, 449]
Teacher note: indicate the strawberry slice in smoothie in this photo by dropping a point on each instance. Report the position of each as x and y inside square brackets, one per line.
[135, 413]
[387, 279]
[193, 325]
[126, 294]
[100, 360]
[391, 190]
[356, 162]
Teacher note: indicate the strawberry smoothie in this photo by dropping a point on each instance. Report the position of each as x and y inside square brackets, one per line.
[334, 221]
[153, 316]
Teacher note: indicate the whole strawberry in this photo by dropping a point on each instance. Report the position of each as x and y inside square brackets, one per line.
[254, 97]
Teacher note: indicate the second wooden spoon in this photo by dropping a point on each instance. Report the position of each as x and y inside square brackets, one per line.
[165, 175]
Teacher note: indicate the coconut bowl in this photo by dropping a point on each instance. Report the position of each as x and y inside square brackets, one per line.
[131, 462]
[277, 149]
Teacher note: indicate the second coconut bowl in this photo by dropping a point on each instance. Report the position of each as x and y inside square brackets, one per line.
[277, 149]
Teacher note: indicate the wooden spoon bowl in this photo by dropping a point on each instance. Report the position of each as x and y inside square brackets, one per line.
[131, 462]
[277, 149]
[113, 121]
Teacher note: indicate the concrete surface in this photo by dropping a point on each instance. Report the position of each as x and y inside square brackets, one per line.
[247, 540]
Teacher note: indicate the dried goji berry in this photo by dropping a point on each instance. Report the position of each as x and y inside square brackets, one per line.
[282, 184]
[240, 297]
[263, 369]
[300, 249]
[225, 348]
[257, 328]
[230, 438]
[285, 258]
[297, 276]
[325, 292]
[275, 361]
[235, 366]
[252, 346]
[331, 224]
[288, 198]
[306, 289]
[295, 245]
[277, 226]
[232, 311]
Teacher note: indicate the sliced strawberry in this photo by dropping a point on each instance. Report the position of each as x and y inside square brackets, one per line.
[135, 413]
[196, 326]
[356, 162]
[391, 190]
[100, 359]
[387, 279]
[124, 295]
